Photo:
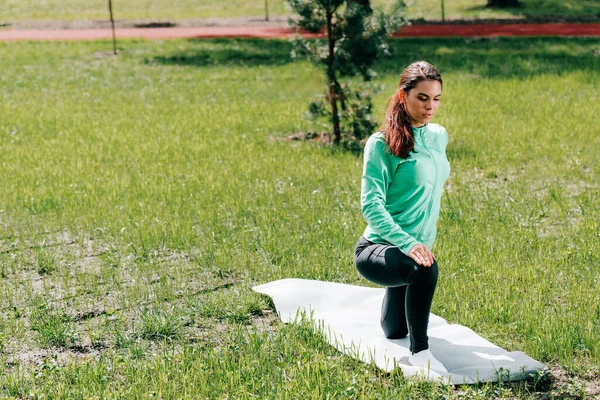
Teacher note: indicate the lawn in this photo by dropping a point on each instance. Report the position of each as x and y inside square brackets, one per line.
[144, 195]
[165, 10]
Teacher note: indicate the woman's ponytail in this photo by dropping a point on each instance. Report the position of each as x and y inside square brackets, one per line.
[398, 127]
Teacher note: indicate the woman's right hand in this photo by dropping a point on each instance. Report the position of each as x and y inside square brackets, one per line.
[422, 255]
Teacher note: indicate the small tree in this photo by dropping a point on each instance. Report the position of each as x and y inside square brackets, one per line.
[355, 39]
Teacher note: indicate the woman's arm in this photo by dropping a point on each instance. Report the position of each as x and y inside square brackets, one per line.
[377, 175]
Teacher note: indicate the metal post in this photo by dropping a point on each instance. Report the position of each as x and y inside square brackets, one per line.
[112, 23]
[266, 10]
[443, 13]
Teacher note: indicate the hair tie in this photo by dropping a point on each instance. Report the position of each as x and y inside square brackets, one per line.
[400, 94]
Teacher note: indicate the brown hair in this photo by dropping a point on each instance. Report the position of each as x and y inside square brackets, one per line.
[397, 125]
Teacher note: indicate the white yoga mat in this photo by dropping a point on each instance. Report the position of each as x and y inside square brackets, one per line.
[349, 316]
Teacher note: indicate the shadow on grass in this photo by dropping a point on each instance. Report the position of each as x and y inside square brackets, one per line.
[583, 10]
[481, 7]
[228, 52]
[497, 57]
[521, 57]
[460, 152]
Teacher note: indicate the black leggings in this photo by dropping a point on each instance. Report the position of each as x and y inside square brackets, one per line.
[408, 294]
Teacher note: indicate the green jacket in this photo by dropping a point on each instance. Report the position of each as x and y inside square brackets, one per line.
[400, 197]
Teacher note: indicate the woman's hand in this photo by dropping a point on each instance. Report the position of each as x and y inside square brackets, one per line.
[422, 255]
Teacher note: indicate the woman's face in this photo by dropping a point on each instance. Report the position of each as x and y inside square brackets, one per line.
[422, 101]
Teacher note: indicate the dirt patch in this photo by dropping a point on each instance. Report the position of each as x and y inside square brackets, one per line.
[89, 314]
[316, 137]
[58, 356]
[569, 385]
[102, 54]
[39, 241]
[268, 322]
[593, 387]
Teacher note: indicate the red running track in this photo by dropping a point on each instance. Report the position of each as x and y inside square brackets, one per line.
[467, 30]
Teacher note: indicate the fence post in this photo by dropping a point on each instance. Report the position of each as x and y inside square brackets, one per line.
[266, 10]
[443, 13]
[112, 23]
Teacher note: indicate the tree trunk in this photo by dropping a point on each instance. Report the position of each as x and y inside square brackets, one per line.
[502, 3]
[331, 79]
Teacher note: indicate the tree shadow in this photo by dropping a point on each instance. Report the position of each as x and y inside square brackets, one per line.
[481, 7]
[228, 52]
[549, 10]
[495, 57]
[479, 58]
[459, 152]
[553, 9]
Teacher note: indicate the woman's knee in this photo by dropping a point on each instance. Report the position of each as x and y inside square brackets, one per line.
[429, 275]
[394, 331]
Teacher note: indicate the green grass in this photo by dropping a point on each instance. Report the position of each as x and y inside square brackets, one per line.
[164, 10]
[53, 326]
[161, 324]
[46, 263]
[155, 182]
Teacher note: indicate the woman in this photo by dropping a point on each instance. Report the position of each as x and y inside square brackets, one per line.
[404, 171]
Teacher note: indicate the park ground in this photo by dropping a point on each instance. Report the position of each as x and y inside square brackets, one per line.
[200, 12]
[145, 194]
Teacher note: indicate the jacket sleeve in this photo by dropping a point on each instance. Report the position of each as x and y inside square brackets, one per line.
[376, 178]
